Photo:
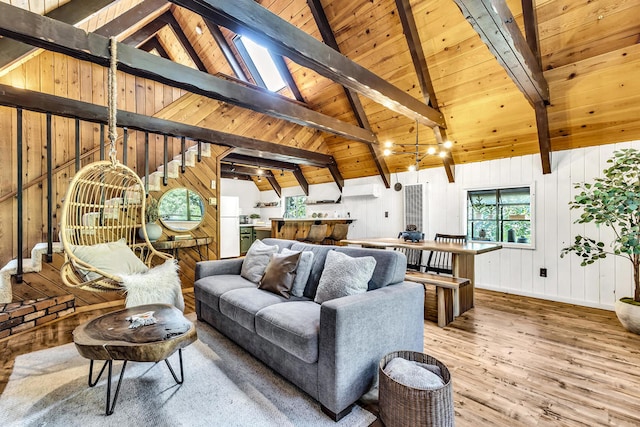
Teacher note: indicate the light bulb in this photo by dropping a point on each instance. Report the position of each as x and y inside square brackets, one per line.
[386, 152]
[388, 144]
[447, 144]
[431, 150]
[443, 154]
[412, 168]
[260, 171]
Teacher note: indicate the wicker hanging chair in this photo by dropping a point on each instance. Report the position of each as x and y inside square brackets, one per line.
[105, 203]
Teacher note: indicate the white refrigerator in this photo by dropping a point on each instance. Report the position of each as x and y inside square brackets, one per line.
[229, 227]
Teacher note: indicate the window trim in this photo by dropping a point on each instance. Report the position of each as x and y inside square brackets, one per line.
[531, 245]
[253, 68]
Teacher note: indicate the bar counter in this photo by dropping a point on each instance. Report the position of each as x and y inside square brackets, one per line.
[294, 228]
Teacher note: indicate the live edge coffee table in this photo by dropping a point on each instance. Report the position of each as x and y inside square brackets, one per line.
[109, 338]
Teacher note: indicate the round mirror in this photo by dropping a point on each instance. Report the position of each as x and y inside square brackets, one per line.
[181, 209]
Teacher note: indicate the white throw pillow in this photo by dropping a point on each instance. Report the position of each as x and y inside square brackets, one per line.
[343, 275]
[159, 285]
[115, 258]
[413, 374]
[256, 261]
[302, 271]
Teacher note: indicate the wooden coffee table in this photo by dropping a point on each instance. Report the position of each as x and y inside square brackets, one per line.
[109, 338]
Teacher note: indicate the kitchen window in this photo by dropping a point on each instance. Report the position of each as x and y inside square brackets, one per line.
[295, 207]
[503, 215]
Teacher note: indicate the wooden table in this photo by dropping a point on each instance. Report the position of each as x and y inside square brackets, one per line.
[174, 245]
[462, 254]
[109, 338]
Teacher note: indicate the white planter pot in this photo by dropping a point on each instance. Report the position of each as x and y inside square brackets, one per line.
[629, 316]
[154, 232]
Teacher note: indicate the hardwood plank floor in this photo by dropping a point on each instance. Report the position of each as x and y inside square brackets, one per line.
[515, 361]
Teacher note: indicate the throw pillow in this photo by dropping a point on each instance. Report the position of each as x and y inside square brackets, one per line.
[302, 272]
[344, 275]
[256, 261]
[115, 258]
[280, 274]
[159, 285]
[412, 374]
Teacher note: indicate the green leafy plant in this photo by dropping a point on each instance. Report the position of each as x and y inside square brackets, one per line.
[254, 216]
[151, 212]
[614, 201]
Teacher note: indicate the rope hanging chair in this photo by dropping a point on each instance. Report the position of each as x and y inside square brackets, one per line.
[105, 203]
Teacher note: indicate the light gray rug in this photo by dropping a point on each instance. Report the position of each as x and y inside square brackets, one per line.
[224, 386]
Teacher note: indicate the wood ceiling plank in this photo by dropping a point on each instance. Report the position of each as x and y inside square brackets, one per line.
[244, 16]
[64, 38]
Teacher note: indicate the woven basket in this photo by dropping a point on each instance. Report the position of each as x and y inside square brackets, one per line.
[404, 406]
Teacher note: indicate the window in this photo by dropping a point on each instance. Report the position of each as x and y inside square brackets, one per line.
[295, 207]
[260, 64]
[500, 215]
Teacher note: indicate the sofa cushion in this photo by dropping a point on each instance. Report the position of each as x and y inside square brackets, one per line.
[293, 326]
[209, 289]
[391, 266]
[302, 271]
[241, 305]
[280, 274]
[256, 261]
[280, 243]
[343, 276]
[319, 256]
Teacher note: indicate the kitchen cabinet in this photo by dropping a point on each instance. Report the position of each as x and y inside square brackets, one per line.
[247, 237]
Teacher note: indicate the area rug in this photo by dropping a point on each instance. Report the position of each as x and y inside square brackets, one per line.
[224, 386]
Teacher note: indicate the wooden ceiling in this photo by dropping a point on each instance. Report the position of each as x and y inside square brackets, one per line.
[589, 52]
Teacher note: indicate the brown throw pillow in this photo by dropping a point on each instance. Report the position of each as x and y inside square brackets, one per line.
[280, 274]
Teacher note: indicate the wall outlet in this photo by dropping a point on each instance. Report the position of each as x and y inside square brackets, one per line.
[386, 214]
[543, 272]
[213, 201]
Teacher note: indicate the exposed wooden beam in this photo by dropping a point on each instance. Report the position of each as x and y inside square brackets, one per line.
[59, 37]
[335, 173]
[65, 107]
[283, 38]
[356, 105]
[226, 50]
[152, 44]
[231, 175]
[73, 13]
[145, 33]
[184, 41]
[301, 180]
[268, 163]
[274, 183]
[228, 169]
[542, 119]
[418, 57]
[281, 65]
[497, 27]
[134, 19]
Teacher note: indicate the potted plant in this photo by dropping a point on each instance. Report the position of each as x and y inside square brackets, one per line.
[254, 217]
[613, 200]
[154, 231]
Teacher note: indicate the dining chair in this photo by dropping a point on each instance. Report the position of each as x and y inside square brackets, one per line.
[317, 234]
[440, 262]
[414, 258]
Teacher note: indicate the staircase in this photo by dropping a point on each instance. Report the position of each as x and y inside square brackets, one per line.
[34, 264]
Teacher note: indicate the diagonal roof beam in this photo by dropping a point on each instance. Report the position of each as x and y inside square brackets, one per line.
[226, 50]
[424, 78]
[59, 37]
[496, 26]
[227, 170]
[301, 180]
[542, 119]
[356, 105]
[283, 38]
[271, 164]
[73, 13]
[152, 44]
[65, 107]
[184, 41]
[133, 19]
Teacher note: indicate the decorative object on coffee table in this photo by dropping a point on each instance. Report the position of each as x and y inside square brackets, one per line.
[402, 405]
[108, 337]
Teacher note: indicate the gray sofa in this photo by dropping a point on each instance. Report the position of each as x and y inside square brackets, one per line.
[329, 350]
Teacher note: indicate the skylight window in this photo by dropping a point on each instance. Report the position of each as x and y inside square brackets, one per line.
[260, 63]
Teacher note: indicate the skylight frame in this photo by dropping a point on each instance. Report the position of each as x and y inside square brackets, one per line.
[257, 68]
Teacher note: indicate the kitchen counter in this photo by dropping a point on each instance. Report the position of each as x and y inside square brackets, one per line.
[293, 228]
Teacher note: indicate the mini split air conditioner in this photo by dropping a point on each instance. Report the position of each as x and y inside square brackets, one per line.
[367, 190]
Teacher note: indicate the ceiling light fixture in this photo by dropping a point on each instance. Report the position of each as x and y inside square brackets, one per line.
[259, 179]
[420, 151]
[198, 30]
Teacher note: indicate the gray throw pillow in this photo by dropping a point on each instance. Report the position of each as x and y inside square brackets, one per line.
[344, 275]
[413, 374]
[256, 261]
[302, 272]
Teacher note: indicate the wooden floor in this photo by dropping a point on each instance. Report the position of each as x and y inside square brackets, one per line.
[514, 361]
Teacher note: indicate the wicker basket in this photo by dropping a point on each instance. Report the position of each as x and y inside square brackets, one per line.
[405, 406]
